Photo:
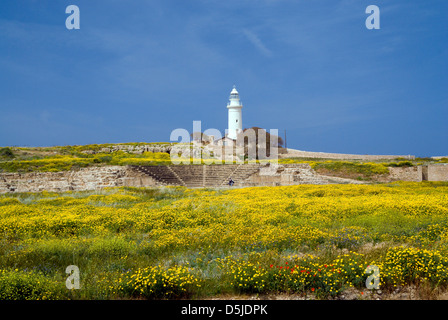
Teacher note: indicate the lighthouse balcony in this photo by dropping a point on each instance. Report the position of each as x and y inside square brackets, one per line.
[234, 105]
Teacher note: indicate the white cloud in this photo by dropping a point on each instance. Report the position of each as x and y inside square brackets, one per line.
[255, 40]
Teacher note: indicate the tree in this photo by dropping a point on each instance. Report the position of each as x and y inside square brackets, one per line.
[260, 135]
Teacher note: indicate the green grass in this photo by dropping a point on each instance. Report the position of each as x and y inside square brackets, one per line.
[366, 169]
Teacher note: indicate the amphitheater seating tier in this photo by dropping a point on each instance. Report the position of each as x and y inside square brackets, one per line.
[199, 175]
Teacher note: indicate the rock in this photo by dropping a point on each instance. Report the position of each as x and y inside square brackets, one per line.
[350, 294]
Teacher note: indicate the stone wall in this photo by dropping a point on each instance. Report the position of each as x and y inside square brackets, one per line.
[431, 172]
[340, 156]
[406, 173]
[83, 179]
[438, 172]
[285, 174]
[93, 178]
[117, 176]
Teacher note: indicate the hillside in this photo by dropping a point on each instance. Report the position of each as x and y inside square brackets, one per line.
[64, 158]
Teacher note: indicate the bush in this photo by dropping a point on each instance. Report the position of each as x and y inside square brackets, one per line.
[158, 282]
[6, 153]
[105, 159]
[407, 265]
[401, 164]
[20, 285]
[246, 276]
[9, 201]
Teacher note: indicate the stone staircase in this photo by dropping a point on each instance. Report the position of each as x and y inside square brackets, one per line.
[191, 175]
[199, 175]
[241, 173]
[163, 175]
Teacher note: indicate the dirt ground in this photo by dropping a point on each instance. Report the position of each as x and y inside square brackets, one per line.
[400, 293]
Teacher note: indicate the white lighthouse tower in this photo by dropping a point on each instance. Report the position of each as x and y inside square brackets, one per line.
[235, 115]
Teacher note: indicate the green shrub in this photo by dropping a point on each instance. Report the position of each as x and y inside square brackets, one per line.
[21, 285]
[9, 201]
[158, 282]
[6, 153]
[406, 265]
[400, 164]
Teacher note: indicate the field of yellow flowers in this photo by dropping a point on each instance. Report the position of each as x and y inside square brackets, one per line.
[174, 242]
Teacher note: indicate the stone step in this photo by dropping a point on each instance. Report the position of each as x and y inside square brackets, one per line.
[198, 175]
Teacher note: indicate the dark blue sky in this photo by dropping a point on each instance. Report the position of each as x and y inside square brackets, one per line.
[136, 70]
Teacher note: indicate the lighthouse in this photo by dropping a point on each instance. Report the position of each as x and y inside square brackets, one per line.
[235, 115]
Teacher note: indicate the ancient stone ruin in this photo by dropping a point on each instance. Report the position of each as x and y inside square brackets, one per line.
[244, 175]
